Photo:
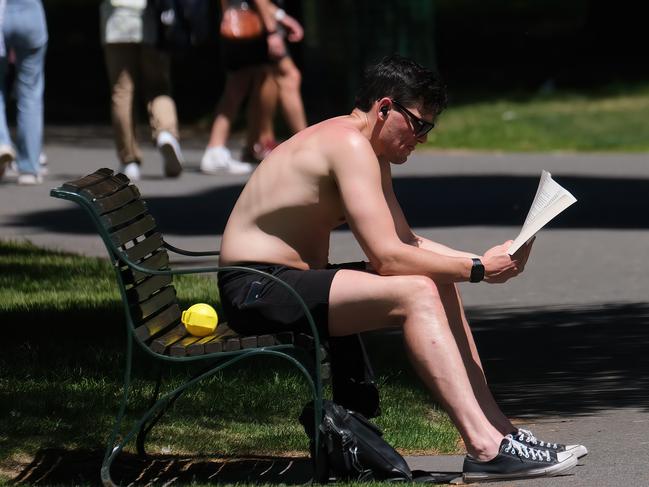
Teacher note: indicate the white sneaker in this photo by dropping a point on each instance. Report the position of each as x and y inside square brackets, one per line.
[29, 179]
[218, 160]
[170, 149]
[131, 170]
[43, 170]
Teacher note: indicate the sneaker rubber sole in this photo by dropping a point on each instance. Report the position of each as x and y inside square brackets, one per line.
[549, 471]
[172, 165]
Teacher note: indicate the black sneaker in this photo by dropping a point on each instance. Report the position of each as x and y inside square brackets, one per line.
[527, 437]
[516, 460]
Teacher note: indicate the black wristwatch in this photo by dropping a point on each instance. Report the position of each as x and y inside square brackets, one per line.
[477, 270]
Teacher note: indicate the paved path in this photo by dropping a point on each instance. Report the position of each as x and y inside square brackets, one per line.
[565, 345]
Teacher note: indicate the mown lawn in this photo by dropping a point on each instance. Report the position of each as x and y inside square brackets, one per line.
[61, 370]
[611, 119]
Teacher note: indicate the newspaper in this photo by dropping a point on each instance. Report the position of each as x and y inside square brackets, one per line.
[550, 200]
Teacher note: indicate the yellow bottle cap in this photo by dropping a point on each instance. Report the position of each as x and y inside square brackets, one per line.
[200, 319]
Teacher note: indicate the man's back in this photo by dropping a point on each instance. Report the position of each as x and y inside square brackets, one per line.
[291, 203]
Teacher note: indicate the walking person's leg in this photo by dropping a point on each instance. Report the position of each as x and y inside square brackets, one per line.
[123, 73]
[260, 138]
[289, 80]
[217, 157]
[155, 69]
[7, 153]
[29, 86]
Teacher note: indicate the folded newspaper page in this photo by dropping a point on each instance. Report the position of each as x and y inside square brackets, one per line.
[550, 200]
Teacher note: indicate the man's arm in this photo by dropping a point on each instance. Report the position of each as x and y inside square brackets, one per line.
[358, 175]
[403, 228]
[424, 243]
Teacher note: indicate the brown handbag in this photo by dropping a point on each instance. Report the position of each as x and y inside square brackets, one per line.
[241, 23]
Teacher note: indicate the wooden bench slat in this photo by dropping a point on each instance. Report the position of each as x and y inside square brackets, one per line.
[105, 187]
[124, 215]
[198, 347]
[147, 246]
[265, 341]
[145, 289]
[117, 200]
[219, 341]
[160, 344]
[283, 338]
[155, 303]
[248, 341]
[179, 349]
[158, 323]
[78, 184]
[159, 261]
[136, 229]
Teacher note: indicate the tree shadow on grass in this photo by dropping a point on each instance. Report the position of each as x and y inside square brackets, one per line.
[65, 467]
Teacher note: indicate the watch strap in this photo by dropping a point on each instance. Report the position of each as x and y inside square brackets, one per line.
[477, 270]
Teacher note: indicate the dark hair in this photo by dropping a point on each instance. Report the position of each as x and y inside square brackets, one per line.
[403, 80]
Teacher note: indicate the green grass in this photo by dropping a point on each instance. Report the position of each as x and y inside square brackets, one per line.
[613, 119]
[61, 370]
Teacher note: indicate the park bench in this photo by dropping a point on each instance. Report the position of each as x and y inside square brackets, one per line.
[144, 272]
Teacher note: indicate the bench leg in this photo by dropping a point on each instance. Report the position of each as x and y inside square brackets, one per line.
[114, 450]
[146, 427]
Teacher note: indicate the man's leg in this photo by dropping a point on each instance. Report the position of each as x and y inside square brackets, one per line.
[459, 325]
[413, 302]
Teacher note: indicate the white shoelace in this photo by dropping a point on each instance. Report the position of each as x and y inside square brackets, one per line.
[522, 450]
[528, 437]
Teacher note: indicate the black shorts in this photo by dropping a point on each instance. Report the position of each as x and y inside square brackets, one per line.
[255, 304]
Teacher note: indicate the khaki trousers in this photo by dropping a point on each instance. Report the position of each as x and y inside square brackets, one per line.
[142, 69]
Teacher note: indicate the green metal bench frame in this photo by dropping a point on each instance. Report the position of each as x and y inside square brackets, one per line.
[104, 195]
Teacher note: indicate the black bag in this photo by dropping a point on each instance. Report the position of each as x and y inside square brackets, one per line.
[352, 448]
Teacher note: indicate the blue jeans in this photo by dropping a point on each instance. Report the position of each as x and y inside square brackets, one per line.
[25, 32]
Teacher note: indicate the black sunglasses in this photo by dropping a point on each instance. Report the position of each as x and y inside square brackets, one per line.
[420, 127]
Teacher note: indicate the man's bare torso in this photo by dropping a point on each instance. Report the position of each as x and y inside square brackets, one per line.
[290, 205]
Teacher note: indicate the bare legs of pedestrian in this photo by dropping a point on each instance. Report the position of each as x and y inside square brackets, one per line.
[217, 157]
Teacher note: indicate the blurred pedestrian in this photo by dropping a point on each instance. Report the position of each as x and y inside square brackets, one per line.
[243, 61]
[24, 33]
[281, 82]
[129, 34]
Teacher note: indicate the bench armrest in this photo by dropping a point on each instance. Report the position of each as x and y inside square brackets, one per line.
[190, 253]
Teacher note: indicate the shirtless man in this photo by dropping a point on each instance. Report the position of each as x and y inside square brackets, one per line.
[339, 171]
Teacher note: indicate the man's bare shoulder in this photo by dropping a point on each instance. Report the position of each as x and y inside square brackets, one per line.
[340, 134]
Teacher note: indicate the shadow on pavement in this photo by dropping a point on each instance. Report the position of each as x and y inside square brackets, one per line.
[427, 202]
[565, 361]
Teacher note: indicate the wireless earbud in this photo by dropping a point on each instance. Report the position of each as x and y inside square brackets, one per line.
[384, 111]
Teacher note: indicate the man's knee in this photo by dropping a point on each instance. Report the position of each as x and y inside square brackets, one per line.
[419, 293]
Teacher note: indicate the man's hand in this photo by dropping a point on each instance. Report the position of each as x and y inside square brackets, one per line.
[499, 266]
[522, 254]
